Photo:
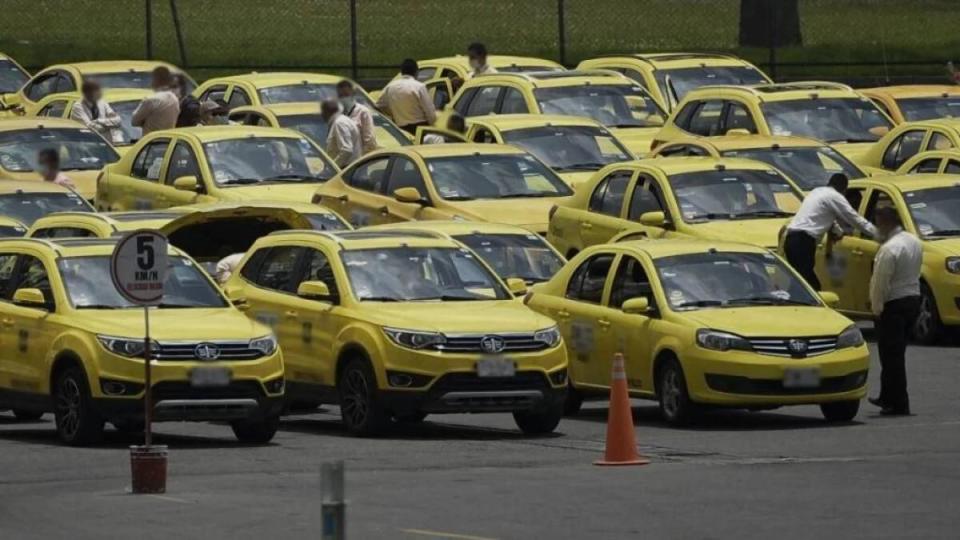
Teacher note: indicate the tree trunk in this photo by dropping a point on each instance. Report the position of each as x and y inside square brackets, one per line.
[770, 23]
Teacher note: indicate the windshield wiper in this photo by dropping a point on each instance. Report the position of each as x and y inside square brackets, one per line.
[289, 177]
[447, 298]
[852, 140]
[458, 198]
[581, 167]
[767, 300]
[537, 195]
[380, 299]
[241, 181]
[100, 306]
[698, 303]
[177, 306]
[944, 232]
[761, 213]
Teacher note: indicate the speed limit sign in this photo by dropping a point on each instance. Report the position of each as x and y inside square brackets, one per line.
[138, 266]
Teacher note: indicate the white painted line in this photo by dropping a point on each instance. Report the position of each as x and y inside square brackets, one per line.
[438, 534]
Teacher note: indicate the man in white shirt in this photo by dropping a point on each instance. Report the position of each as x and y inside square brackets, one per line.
[97, 114]
[360, 115]
[159, 110]
[821, 208]
[895, 300]
[343, 137]
[477, 54]
[407, 101]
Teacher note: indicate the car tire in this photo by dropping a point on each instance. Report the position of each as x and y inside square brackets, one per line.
[78, 422]
[541, 420]
[360, 407]
[24, 415]
[256, 431]
[928, 328]
[573, 403]
[676, 407]
[840, 411]
[129, 426]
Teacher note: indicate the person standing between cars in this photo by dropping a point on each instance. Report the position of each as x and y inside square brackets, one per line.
[343, 137]
[895, 300]
[477, 54]
[821, 209]
[97, 114]
[407, 101]
[360, 115]
[161, 109]
[48, 161]
[190, 107]
[455, 124]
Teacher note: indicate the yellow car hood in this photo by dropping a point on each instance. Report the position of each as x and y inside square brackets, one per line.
[576, 179]
[759, 232]
[462, 317]
[949, 247]
[531, 214]
[271, 192]
[174, 324]
[855, 152]
[772, 321]
[636, 139]
[86, 181]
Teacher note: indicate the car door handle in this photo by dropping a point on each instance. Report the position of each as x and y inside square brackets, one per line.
[603, 323]
[563, 314]
[586, 225]
[343, 198]
[384, 211]
[292, 314]
[857, 252]
[8, 322]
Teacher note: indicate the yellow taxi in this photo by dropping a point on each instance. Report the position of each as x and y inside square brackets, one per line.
[703, 324]
[305, 118]
[458, 66]
[99, 225]
[82, 152]
[511, 251]
[619, 103]
[932, 161]
[473, 182]
[24, 202]
[11, 228]
[669, 76]
[123, 101]
[929, 207]
[273, 88]
[715, 199]
[807, 162]
[62, 78]
[75, 347]
[12, 78]
[394, 326]
[574, 147]
[208, 164]
[909, 139]
[913, 102]
[830, 112]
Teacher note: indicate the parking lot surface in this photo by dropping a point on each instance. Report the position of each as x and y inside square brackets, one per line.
[782, 473]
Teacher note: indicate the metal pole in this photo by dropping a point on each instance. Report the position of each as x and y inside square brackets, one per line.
[179, 31]
[147, 394]
[148, 15]
[333, 507]
[354, 38]
[562, 31]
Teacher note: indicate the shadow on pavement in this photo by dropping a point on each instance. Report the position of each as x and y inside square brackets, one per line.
[717, 420]
[45, 433]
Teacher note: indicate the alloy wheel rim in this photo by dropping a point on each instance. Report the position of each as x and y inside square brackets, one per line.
[68, 407]
[925, 318]
[671, 393]
[355, 400]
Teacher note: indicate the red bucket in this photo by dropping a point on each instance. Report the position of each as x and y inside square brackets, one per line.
[148, 468]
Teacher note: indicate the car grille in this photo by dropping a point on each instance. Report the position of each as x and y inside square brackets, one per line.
[183, 390]
[470, 382]
[470, 343]
[187, 350]
[776, 346]
[731, 384]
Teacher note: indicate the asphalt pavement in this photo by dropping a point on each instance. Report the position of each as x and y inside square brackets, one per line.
[780, 474]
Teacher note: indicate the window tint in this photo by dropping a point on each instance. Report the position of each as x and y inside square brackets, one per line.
[8, 262]
[608, 197]
[902, 148]
[318, 269]
[149, 161]
[953, 167]
[65, 83]
[404, 173]
[738, 117]
[682, 150]
[54, 109]
[706, 119]
[464, 101]
[370, 176]
[278, 269]
[939, 141]
[42, 86]
[214, 93]
[587, 282]
[630, 282]
[484, 102]
[878, 199]
[238, 98]
[854, 197]
[930, 165]
[62, 232]
[425, 74]
[484, 135]
[643, 200]
[513, 102]
[31, 274]
[182, 163]
[635, 76]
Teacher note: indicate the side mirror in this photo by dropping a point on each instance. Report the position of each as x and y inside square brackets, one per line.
[738, 132]
[236, 297]
[879, 131]
[408, 195]
[517, 286]
[636, 306]
[653, 219]
[186, 183]
[314, 290]
[30, 298]
[830, 298]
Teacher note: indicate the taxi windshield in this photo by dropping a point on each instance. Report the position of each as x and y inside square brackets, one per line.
[79, 149]
[88, 285]
[935, 211]
[259, 160]
[914, 109]
[304, 92]
[514, 68]
[29, 207]
[835, 120]
[524, 256]
[677, 82]
[408, 274]
[120, 79]
[734, 194]
[491, 176]
[313, 126]
[11, 77]
[124, 110]
[613, 105]
[730, 279]
[808, 167]
[569, 148]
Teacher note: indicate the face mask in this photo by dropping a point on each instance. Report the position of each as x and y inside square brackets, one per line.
[347, 103]
[475, 64]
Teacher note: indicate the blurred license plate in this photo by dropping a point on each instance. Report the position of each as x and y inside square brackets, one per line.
[801, 378]
[496, 367]
[210, 376]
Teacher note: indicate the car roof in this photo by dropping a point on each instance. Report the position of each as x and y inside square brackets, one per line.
[301, 207]
[76, 247]
[29, 186]
[110, 95]
[279, 78]
[947, 123]
[742, 142]
[506, 122]
[780, 91]
[116, 66]
[910, 182]
[456, 149]
[680, 165]
[552, 79]
[453, 228]
[37, 122]
[494, 60]
[366, 239]
[683, 59]
[661, 248]
[222, 133]
[914, 90]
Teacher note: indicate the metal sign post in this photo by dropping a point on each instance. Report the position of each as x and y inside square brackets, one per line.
[333, 507]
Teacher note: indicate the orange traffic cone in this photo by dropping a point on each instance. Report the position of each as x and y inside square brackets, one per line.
[621, 439]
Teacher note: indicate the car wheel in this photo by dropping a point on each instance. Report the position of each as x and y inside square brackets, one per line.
[539, 421]
[258, 431]
[77, 421]
[675, 404]
[27, 416]
[928, 328]
[840, 411]
[573, 403]
[359, 407]
[129, 426]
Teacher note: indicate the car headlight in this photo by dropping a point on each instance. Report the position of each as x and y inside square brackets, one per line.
[129, 347]
[851, 337]
[721, 341]
[953, 265]
[548, 336]
[413, 339]
[266, 345]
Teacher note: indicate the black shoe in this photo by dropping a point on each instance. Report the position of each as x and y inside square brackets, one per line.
[876, 401]
[895, 411]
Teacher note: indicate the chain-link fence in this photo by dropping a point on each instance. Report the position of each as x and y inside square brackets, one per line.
[865, 41]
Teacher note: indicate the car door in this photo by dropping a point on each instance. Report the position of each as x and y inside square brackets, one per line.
[182, 163]
[512, 101]
[309, 353]
[214, 93]
[238, 97]
[55, 109]
[483, 134]
[603, 219]
[405, 173]
[41, 86]
[647, 196]
[902, 148]
[845, 268]
[484, 102]
[143, 190]
[27, 331]
[705, 119]
[363, 201]
[630, 334]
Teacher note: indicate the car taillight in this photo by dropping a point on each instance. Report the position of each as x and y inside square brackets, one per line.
[553, 210]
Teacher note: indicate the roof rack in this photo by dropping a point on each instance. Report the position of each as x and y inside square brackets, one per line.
[68, 242]
[372, 234]
[551, 75]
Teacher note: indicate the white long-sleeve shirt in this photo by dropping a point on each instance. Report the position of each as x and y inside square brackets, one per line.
[343, 140]
[157, 111]
[363, 118]
[407, 101]
[896, 270]
[821, 208]
[107, 122]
